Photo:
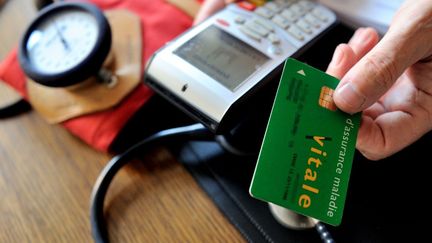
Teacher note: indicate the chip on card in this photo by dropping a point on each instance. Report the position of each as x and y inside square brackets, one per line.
[308, 148]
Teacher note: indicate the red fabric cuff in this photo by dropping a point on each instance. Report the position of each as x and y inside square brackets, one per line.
[160, 22]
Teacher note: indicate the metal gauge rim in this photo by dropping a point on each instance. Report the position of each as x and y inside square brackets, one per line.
[88, 67]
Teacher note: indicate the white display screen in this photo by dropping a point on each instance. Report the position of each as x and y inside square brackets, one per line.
[221, 56]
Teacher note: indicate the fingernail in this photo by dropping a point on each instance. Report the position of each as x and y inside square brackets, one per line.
[351, 97]
[354, 38]
[338, 56]
[358, 31]
[361, 36]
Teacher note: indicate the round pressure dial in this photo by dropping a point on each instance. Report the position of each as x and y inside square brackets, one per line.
[66, 44]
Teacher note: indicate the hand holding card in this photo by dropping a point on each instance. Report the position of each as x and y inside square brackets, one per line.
[306, 156]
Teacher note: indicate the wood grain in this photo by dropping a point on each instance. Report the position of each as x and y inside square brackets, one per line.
[46, 177]
[14, 17]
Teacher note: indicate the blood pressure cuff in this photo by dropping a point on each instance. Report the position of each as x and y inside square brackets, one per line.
[161, 21]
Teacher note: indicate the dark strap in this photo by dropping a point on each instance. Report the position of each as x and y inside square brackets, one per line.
[14, 109]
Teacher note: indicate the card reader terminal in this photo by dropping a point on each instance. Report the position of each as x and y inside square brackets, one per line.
[214, 69]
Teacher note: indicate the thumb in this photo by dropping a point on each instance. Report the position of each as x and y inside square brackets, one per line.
[379, 69]
[371, 77]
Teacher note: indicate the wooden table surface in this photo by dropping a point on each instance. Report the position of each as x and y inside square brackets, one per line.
[46, 177]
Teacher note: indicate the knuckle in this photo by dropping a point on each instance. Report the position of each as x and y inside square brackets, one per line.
[420, 100]
[384, 69]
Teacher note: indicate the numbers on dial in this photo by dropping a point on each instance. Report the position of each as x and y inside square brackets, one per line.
[62, 41]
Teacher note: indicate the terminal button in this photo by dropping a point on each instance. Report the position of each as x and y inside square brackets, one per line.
[250, 33]
[246, 5]
[282, 22]
[296, 32]
[264, 12]
[305, 26]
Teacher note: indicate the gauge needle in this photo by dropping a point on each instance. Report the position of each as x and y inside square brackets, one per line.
[62, 39]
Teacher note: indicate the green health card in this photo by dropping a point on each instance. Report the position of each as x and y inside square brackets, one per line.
[306, 156]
